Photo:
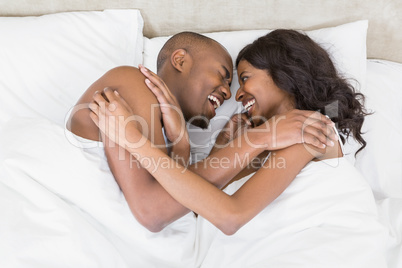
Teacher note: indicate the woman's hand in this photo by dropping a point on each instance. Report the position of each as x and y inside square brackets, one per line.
[298, 126]
[115, 119]
[172, 116]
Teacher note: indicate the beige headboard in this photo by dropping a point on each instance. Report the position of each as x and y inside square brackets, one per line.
[164, 17]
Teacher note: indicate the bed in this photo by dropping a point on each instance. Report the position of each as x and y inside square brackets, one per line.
[59, 203]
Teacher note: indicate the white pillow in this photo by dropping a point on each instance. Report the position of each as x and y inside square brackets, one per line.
[346, 45]
[381, 161]
[47, 62]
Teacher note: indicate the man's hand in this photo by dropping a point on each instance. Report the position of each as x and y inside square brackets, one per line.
[297, 126]
[235, 127]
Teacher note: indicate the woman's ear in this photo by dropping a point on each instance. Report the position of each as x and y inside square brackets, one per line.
[178, 58]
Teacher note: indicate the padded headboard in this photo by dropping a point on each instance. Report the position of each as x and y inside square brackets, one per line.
[165, 17]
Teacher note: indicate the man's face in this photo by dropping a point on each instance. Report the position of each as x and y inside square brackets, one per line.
[207, 86]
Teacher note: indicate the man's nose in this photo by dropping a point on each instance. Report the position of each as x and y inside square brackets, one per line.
[226, 92]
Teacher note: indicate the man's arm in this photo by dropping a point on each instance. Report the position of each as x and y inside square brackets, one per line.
[152, 206]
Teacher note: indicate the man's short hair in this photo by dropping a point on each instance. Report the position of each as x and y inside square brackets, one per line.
[189, 41]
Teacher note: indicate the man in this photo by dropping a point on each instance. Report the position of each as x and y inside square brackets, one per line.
[195, 68]
[198, 72]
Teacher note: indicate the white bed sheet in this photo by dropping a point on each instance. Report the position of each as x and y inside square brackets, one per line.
[390, 214]
[381, 161]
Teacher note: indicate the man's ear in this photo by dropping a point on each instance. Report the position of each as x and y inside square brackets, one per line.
[178, 58]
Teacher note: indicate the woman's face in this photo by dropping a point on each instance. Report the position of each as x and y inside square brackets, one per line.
[259, 95]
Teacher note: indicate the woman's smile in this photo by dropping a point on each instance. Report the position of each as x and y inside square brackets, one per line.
[259, 94]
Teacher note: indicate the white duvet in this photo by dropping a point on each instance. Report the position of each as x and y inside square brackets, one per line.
[60, 207]
[327, 217]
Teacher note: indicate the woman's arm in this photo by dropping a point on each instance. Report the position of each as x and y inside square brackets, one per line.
[237, 151]
[228, 213]
[172, 117]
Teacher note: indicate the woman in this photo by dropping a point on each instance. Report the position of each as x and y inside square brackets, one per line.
[278, 72]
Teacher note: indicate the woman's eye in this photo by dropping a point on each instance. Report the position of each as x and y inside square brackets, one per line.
[243, 78]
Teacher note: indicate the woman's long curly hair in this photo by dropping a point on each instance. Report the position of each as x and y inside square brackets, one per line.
[302, 68]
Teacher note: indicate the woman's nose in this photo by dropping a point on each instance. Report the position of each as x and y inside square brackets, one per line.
[239, 94]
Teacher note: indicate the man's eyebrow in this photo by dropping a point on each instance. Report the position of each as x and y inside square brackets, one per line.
[227, 74]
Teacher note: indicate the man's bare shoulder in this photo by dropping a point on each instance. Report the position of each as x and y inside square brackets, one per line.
[130, 83]
[125, 72]
[121, 77]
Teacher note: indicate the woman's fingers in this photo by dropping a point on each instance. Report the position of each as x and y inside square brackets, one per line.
[111, 114]
[157, 92]
[100, 108]
[94, 107]
[109, 94]
[115, 100]
[153, 77]
[94, 118]
[121, 100]
[97, 113]
[106, 100]
[99, 98]
[159, 85]
[94, 114]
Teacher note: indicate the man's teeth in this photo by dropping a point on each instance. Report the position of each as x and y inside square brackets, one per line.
[216, 101]
[249, 104]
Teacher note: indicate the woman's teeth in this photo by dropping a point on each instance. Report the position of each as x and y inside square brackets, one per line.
[215, 101]
[249, 104]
